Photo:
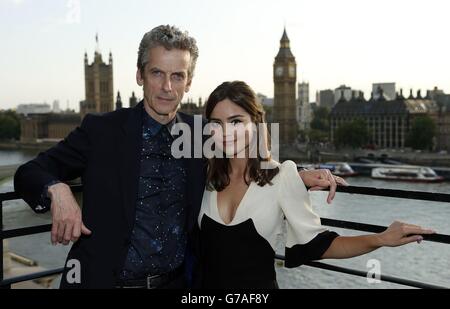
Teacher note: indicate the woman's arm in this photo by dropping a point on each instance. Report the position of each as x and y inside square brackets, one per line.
[397, 234]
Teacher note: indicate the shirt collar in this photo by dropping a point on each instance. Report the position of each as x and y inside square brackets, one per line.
[154, 126]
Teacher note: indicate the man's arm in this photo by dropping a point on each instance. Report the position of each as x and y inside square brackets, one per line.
[37, 181]
[65, 161]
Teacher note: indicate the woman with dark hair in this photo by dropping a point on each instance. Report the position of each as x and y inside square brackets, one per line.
[249, 197]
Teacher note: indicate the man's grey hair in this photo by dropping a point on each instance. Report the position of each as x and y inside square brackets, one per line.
[169, 37]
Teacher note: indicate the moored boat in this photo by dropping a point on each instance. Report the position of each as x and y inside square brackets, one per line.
[342, 169]
[406, 173]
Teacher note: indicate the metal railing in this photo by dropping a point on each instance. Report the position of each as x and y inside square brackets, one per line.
[426, 196]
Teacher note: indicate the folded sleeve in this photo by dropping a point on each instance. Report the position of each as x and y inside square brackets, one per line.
[307, 239]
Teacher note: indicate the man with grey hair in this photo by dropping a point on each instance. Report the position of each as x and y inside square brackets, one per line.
[140, 204]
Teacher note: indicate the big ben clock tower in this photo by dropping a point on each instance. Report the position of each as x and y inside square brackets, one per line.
[285, 79]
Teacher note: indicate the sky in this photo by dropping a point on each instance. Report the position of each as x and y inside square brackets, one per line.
[352, 42]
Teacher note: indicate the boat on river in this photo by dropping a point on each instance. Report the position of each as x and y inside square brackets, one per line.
[406, 173]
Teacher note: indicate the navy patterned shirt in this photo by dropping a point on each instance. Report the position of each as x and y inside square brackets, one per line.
[158, 240]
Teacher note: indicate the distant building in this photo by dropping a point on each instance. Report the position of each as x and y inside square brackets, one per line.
[389, 91]
[56, 109]
[133, 100]
[60, 125]
[47, 126]
[344, 92]
[304, 115]
[192, 108]
[267, 104]
[325, 98]
[388, 122]
[435, 93]
[25, 109]
[99, 86]
[443, 119]
[264, 100]
[119, 104]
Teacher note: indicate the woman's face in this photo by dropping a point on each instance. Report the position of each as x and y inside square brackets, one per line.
[232, 128]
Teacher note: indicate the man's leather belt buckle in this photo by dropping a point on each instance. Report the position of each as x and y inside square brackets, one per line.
[154, 282]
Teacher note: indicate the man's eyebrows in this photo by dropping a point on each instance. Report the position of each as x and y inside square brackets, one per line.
[174, 72]
[180, 73]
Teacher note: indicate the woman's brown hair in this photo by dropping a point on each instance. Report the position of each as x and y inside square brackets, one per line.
[218, 168]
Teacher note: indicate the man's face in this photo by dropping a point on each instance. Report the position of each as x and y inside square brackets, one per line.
[165, 80]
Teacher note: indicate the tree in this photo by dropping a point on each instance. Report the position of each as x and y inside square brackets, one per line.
[302, 135]
[354, 134]
[320, 126]
[422, 132]
[318, 136]
[321, 119]
[9, 125]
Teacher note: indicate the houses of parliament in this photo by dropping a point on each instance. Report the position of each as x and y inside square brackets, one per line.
[99, 98]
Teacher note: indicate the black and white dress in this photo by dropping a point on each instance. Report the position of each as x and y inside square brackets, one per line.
[241, 254]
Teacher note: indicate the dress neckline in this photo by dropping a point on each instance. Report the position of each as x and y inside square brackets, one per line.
[215, 206]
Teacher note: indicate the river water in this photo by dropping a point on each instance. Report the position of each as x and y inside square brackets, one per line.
[427, 262]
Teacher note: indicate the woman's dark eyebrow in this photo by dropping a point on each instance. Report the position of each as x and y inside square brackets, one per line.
[235, 116]
[229, 118]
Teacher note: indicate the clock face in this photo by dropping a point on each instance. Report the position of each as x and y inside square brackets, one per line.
[291, 71]
[279, 71]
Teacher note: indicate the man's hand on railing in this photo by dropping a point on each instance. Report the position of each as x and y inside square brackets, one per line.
[398, 234]
[321, 179]
[67, 224]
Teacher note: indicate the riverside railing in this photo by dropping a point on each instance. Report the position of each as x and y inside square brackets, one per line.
[416, 195]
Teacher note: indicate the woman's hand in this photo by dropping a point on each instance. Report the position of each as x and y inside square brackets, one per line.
[398, 234]
[321, 179]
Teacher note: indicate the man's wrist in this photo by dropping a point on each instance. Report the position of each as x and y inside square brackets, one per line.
[54, 188]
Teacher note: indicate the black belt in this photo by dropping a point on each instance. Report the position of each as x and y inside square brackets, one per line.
[151, 281]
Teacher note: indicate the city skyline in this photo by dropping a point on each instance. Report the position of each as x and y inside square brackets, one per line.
[349, 42]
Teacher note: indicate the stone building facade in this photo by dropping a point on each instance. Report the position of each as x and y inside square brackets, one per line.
[388, 122]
